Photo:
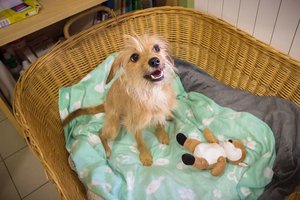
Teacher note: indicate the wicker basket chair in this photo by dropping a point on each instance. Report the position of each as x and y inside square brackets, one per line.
[227, 53]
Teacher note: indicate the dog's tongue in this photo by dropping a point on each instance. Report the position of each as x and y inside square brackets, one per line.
[156, 74]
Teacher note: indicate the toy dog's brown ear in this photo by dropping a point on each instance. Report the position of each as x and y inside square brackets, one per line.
[240, 145]
[114, 68]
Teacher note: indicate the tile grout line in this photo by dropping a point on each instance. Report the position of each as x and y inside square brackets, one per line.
[3, 159]
[278, 10]
[238, 16]
[35, 190]
[10, 155]
[11, 179]
[257, 11]
[294, 37]
[2, 120]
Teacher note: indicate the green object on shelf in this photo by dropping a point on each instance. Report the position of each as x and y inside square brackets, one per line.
[12, 64]
[186, 3]
[10, 61]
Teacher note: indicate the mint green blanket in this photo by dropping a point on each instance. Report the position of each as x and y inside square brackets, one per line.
[123, 176]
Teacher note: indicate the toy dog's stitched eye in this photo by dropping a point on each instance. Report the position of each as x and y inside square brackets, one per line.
[134, 57]
[230, 140]
[156, 48]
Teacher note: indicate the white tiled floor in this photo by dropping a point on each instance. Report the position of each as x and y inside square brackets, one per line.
[21, 174]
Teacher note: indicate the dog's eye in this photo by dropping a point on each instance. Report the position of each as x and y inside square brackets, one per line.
[230, 140]
[134, 57]
[156, 48]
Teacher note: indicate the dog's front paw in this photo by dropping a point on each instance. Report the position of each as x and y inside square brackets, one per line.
[108, 152]
[163, 138]
[146, 158]
[170, 118]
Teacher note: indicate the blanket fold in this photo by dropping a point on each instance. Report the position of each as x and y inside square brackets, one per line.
[122, 176]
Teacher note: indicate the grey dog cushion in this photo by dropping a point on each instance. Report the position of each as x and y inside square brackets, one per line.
[281, 115]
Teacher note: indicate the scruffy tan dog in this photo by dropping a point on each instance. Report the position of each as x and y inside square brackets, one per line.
[141, 97]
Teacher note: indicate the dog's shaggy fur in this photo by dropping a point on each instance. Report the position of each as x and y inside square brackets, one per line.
[141, 97]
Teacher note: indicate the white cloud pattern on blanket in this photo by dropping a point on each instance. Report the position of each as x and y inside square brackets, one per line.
[154, 185]
[122, 175]
[186, 194]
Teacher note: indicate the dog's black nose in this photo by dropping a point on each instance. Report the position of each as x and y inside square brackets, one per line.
[154, 62]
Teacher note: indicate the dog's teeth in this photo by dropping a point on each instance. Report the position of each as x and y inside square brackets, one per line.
[157, 77]
[154, 77]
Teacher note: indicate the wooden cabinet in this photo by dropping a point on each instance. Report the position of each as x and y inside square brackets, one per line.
[52, 11]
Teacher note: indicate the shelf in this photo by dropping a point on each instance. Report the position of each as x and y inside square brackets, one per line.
[51, 12]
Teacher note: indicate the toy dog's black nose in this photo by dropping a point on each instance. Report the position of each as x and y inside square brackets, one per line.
[154, 62]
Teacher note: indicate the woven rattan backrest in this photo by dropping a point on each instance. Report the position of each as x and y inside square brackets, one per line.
[230, 55]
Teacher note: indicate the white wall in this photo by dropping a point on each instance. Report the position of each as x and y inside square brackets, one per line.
[275, 22]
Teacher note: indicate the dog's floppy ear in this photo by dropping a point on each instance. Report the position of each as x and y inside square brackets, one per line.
[114, 68]
[119, 59]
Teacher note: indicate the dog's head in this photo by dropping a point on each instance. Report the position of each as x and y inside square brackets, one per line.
[145, 60]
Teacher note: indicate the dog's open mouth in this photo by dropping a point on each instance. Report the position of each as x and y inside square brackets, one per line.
[156, 75]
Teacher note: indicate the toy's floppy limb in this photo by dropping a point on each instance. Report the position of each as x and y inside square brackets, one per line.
[190, 144]
[210, 136]
[181, 138]
[199, 163]
[220, 166]
[188, 159]
[212, 155]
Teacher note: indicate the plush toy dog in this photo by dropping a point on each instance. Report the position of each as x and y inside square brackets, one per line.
[212, 155]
